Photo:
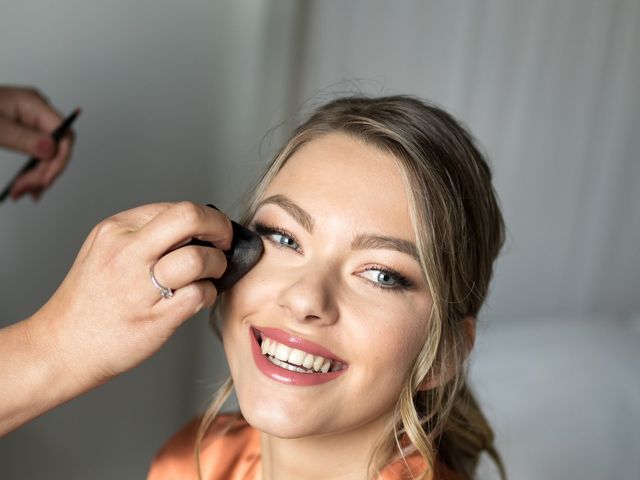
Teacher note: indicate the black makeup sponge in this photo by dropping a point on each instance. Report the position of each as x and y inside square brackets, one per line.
[246, 249]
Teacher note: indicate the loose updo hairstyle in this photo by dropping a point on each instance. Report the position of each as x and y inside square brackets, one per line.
[459, 232]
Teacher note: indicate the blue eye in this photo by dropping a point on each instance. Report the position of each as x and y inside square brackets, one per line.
[285, 240]
[278, 236]
[386, 279]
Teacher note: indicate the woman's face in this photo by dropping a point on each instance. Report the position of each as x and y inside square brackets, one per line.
[338, 270]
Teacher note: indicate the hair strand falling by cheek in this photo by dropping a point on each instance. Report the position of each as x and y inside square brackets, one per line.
[221, 396]
[459, 232]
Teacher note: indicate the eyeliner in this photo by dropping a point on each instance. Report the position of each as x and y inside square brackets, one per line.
[56, 135]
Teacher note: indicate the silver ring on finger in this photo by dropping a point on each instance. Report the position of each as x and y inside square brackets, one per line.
[165, 292]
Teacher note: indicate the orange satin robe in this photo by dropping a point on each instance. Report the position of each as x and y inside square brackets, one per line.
[236, 455]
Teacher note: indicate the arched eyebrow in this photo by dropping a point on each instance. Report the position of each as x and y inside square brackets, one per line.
[299, 214]
[361, 242]
[372, 241]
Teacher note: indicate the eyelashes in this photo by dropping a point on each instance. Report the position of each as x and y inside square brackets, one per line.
[385, 274]
[386, 279]
[270, 230]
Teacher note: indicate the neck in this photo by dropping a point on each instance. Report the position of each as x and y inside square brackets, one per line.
[340, 456]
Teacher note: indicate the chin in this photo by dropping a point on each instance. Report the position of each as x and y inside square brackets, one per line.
[277, 419]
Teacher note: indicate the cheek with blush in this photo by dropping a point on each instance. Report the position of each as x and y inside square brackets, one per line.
[259, 289]
[247, 294]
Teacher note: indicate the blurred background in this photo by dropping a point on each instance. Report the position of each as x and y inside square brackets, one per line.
[187, 100]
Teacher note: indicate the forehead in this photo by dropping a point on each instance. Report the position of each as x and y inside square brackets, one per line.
[338, 178]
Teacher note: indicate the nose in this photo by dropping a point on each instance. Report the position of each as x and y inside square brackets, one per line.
[310, 296]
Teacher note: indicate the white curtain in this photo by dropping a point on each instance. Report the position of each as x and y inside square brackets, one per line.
[551, 89]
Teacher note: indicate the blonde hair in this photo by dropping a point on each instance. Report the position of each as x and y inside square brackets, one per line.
[459, 232]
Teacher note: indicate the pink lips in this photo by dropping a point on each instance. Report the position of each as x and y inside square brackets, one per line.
[283, 375]
[299, 343]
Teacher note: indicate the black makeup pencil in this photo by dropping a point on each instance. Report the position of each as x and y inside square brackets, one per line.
[57, 135]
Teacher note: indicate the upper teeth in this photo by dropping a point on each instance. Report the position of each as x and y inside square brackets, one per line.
[298, 357]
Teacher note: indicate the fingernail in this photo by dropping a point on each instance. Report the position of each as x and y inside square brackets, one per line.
[45, 148]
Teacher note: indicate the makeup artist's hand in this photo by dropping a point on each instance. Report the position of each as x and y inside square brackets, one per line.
[108, 306]
[26, 122]
[107, 316]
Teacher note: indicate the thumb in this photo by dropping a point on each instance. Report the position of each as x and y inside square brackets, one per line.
[24, 139]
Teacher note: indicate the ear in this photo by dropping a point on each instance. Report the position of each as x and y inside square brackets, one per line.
[434, 378]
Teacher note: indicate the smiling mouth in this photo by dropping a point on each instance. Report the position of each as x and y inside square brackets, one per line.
[295, 359]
